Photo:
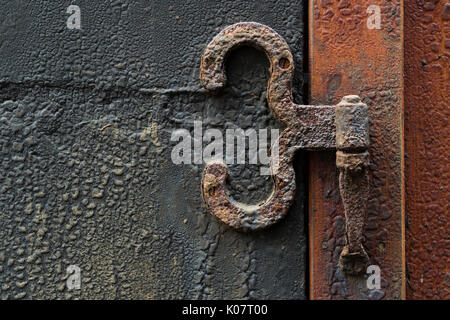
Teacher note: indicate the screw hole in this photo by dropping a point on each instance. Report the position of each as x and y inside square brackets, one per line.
[284, 63]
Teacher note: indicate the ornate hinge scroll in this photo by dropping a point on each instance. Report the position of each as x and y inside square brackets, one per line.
[343, 127]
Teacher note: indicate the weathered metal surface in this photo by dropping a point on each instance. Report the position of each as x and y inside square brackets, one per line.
[86, 176]
[352, 160]
[279, 97]
[349, 135]
[427, 92]
[352, 125]
[349, 58]
[349, 131]
[354, 190]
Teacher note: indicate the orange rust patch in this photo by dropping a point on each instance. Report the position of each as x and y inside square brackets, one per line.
[427, 92]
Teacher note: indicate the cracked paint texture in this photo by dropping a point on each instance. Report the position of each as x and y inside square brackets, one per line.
[86, 176]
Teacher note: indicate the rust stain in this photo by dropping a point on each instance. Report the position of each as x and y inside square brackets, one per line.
[279, 96]
[370, 64]
[427, 92]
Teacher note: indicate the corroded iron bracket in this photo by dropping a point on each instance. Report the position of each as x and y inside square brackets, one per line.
[343, 127]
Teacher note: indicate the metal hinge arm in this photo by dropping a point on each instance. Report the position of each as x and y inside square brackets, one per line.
[343, 127]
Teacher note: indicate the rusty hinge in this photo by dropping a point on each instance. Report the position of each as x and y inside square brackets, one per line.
[343, 127]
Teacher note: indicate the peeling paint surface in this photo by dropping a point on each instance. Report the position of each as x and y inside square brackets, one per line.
[86, 176]
[427, 92]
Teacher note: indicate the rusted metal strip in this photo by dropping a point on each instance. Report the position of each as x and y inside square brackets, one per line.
[349, 56]
[427, 92]
[279, 96]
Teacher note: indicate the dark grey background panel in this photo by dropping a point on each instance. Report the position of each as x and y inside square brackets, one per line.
[131, 44]
[86, 176]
